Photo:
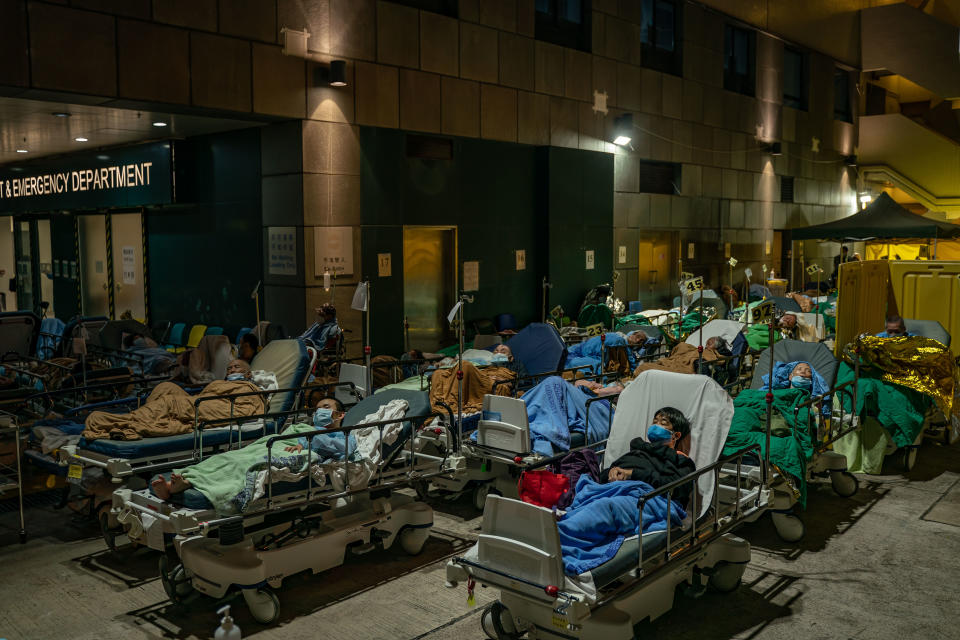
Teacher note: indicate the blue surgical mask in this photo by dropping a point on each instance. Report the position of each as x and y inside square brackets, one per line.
[799, 382]
[322, 417]
[657, 434]
[236, 376]
[500, 357]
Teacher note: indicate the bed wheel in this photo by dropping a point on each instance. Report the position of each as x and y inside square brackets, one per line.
[727, 577]
[175, 583]
[909, 458]
[789, 527]
[497, 623]
[480, 494]
[844, 483]
[412, 540]
[263, 604]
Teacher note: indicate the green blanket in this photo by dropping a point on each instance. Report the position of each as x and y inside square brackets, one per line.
[789, 452]
[413, 383]
[758, 336]
[223, 478]
[634, 318]
[454, 350]
[691, 322]
[829, 321]
[899, 410]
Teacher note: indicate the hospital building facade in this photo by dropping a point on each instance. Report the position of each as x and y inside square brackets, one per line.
[184, 160]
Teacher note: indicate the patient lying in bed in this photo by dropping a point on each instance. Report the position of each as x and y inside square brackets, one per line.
[169, 410]
[329, 414]
[683, 358]
[604, 514]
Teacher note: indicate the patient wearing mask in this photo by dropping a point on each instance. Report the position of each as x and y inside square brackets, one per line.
[801, 377]
[328, 415]
[659, 459]
[503, 357]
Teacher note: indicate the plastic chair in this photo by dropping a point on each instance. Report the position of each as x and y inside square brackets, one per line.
[505, 322]
[635, 306]
[196, 333]
[214, 331]
[175, 337]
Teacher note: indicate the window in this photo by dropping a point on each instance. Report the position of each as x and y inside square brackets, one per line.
[786, 188]
[660, 36]
[794, 79]
[444, 7]
[659, 177]
[841, 95]
[564, 22]
[739, 60]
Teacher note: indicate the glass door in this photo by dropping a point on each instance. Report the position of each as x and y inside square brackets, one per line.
[127, 235]
[94, 279]
[25, 272]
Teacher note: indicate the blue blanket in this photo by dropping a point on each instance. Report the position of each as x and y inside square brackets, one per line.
[602, 516]
[589, 352]
[557, 408]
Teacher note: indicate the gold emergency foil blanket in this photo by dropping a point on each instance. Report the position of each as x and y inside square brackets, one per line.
[918, 363]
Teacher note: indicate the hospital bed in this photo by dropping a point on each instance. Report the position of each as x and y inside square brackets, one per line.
[824, 428]
[940, 427]
[289, 360]
[728, 369]
[502, 450]
[519, 550]
[294, 526]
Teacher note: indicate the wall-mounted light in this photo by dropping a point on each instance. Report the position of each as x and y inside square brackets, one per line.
[773, 148]
[850, 161]
[623, 129]
[335, 75]
[159, 123]
[865, 198]
[80, 139]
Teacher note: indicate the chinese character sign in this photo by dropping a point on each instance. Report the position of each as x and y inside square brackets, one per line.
[282, 251]
[333, 250]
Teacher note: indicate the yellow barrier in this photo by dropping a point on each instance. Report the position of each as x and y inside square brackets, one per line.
[863, 299]
[929, 290]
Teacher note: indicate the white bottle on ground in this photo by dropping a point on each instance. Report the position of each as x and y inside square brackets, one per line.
[227, 630]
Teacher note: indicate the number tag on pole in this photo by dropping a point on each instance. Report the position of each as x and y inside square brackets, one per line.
[693, 285]
[762, 312]
[595, 329]
[813, 269]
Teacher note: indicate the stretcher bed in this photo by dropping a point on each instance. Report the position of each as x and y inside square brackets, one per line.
[293, 526]
[501, 447]
[825, 423]
[289, 360]
[519, 549]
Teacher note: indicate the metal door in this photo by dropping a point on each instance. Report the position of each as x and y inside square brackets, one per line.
[94, 276]
[655, 269]
[127, 236]
[429, 284]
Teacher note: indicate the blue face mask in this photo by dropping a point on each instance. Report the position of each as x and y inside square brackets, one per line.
[658, 435]
[322, 417]
[500, 357]
[236, 376]
[799, 382]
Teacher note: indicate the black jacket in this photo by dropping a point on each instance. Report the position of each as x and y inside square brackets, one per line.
[657, 465]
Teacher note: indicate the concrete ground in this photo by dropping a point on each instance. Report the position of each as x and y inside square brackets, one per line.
[880, 565]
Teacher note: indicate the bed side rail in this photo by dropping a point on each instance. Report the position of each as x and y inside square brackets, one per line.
[720, 521]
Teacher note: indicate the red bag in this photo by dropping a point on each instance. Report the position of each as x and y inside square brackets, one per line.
[542, 488]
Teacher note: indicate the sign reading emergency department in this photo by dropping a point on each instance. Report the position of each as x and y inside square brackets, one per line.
[333, 250]
[129, 176]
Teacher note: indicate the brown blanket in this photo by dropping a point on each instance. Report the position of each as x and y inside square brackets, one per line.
[169, 411]
[476, 384]
[682, 359]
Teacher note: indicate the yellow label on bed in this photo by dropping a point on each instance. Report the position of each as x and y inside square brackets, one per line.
[559, 622]
[75, 471]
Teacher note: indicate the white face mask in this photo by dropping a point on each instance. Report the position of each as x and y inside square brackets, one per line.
[236, 376]
[500, 357]
[322, 417]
